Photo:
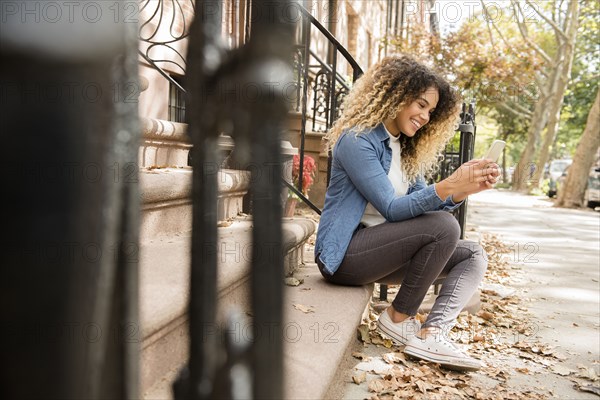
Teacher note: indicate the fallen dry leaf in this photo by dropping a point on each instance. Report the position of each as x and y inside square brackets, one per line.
[359, 378]
[588, 388]
[375, 365]
[394, 358]
[424, 386]
[376, 385]
[377, 339]
[291, 281]
[362, 333]
[421, 318]
[588, 373]
[478, 337]
[561, 370]
[304, 309]
[488, 316]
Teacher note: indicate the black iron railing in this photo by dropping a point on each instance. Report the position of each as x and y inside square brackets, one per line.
[454, 159]
[319, 83]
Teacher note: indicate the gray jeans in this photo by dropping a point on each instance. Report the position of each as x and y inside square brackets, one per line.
[415, 253]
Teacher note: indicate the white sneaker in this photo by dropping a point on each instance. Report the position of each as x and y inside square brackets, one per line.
[400, 332]
[437, 349]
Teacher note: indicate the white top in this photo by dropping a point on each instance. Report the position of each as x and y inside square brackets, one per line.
[396, 176]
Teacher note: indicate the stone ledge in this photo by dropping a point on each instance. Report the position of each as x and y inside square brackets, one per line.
[164, 130]
[294, 121]
[165, 273]
[296, 232]
[167, 144]
[169, 184]
[314, 344]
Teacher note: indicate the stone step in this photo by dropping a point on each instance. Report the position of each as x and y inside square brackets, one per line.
[164, 290]
[167, 204]
[317, 343]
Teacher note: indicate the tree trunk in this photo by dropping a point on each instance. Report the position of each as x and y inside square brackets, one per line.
[571, 194]
[564, 58]
[553, 96]
[522, 170]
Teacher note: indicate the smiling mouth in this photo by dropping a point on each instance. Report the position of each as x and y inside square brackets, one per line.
[415, 123]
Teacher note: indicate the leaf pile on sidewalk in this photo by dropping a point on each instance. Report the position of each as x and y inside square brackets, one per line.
[501, 334]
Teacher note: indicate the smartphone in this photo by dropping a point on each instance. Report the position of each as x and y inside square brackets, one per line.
[495, 150]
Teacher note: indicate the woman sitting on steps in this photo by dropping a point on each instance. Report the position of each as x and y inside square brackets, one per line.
[382, 223]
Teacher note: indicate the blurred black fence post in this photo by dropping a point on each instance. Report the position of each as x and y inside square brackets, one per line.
[215, 78]
[69, 256]
[467, 129]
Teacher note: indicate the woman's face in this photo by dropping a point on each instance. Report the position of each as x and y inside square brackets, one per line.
[415, 115]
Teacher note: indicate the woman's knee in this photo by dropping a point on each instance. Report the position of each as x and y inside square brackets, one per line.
[479, 256]
[447, 225]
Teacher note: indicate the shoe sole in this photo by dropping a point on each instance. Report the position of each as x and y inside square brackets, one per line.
[391, 334]
[455, 366]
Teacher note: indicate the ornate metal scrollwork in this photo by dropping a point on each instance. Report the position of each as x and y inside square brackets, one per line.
[166, 46]
[298, 70]
[321, 100]
[339, 101]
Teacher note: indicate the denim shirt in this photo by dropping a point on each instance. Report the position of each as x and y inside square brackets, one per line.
[359, 174]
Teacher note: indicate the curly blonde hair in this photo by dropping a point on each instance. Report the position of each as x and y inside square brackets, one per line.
[387, 87]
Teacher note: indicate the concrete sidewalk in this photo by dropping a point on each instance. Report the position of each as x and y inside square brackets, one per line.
[556, 254]
[559, 251]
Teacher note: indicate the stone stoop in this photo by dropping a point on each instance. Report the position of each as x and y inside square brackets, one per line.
[165, 194]
[164, 290]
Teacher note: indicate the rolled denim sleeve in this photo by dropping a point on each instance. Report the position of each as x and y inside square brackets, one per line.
[447, 205]
[450, 205]
[361, 161]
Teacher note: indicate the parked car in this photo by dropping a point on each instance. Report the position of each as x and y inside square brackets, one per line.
[591, 197]
[553, 172]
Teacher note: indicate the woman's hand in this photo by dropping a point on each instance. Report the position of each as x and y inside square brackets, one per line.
[493, 175]
[472, 177]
